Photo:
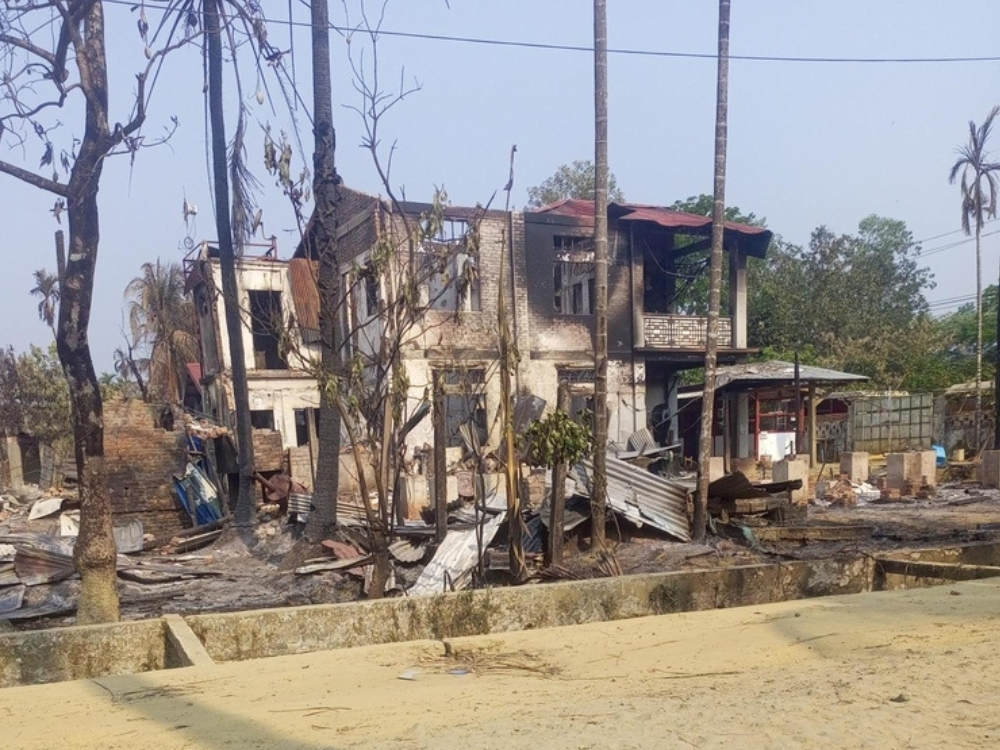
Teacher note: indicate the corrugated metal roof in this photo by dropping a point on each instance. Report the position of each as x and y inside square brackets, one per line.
[305, 293]
[756, 238]
[645, 498]
[776, 371]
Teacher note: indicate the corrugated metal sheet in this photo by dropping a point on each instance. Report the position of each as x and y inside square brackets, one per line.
[758, 237]
[305, 294]
[454, 559]
[645, 498]
[458, 554]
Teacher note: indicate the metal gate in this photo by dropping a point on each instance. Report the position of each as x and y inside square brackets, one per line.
[889, 424]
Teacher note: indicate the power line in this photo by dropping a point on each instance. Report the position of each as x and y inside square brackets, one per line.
[946, 234]
[952, 245]
[622, 50]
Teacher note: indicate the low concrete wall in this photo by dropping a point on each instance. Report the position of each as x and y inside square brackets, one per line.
[83, 651]
[263, 633]
[130, 647]
[987, 553]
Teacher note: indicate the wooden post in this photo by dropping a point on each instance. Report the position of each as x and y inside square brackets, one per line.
[798, 408]
[812, 424]
[314, 446]
[557, 500]
[440, 462]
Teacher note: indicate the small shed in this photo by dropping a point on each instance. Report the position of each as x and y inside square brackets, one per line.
[764, 409]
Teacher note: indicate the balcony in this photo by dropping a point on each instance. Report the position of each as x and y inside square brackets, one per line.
[679, 332]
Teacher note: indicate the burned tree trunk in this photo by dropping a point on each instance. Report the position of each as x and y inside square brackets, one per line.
[322, 244]
[95, 551]
[244, 514]
[715, 278]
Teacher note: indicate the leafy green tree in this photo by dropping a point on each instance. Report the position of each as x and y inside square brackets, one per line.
[852, 301]
[574, 180]
[694, 301]
[702, 205]
[34, 395]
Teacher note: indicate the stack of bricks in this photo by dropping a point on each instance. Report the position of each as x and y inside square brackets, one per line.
[140, 460]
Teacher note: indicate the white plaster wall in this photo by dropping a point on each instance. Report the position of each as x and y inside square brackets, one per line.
[259, 275]
[627, 410]
[284, 396]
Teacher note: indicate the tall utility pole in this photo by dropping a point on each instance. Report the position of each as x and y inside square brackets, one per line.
[599, 493]
[244, 515]
[715, 276]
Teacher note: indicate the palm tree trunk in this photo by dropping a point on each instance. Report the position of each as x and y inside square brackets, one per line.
[244, 515]
[996, 380]
[325, 182]
[979, 339]
[715, 276]
[599, 494]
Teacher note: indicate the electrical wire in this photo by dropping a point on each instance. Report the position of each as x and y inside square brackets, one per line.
[629, 51]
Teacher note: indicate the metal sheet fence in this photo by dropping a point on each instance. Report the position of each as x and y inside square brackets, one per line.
[888, 424]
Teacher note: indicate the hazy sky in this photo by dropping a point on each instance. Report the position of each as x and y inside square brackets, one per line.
[809, 143]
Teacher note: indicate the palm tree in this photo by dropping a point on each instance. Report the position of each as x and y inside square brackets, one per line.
[46, 287]
[979, 202]
[599, 494]
[715, 275]
[322, 245]
[163, 321]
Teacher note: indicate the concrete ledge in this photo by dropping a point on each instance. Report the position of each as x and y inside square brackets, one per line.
[131, 647]
[187, 650]
[81, 651]
[264, 633]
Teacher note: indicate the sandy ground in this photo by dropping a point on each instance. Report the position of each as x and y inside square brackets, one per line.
[885, 670]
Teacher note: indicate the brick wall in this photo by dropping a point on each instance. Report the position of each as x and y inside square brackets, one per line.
[141, 459]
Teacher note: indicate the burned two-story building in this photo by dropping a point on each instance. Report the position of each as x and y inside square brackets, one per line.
[657, 299]
[459, 266]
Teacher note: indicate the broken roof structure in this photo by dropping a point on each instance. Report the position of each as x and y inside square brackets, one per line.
[751, 239]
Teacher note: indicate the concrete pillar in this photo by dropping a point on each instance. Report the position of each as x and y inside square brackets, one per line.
[675, 425]
[789, 469]
[854, 466]
[909, 471]
[989, 469]
[812, 424]
[716, 468]
[896, 470]
[738, 296]
[744, 446]
[14, 459]
[925, 466]
[638, 292]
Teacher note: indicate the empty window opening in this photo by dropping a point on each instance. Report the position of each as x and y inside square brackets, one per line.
[262, 419]
[266, 325]
[464, 404]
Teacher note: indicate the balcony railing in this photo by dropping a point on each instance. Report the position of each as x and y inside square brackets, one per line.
[683, 331]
